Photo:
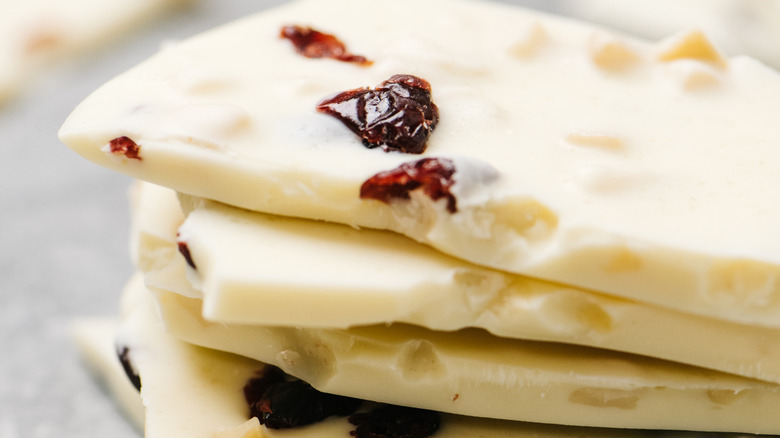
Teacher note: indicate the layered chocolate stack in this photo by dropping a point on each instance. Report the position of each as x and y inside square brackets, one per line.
[447, 218]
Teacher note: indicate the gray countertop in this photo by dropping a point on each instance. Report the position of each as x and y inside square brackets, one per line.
[63, 238]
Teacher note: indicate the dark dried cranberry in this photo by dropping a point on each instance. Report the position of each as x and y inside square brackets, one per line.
[432, 175]
[125, 146]
[390, 421]
[185, 251]
[315, 44]
[281, 404]
[258, 385]
[124, 357]
[398, 115]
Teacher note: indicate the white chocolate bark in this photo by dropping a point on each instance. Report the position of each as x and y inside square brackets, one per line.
[95, 338]
[186, 388]
[36, 33]
[642, 171]
[257, 269]
[187, 391]
[156, 218]
[741, 27]
[471, 372]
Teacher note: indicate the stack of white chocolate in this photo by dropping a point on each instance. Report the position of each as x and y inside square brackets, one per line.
[606, 253]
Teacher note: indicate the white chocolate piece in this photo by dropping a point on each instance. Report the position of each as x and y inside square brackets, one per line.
[36, 33]
[262, 270]
[741, 27]
[156, 217]
[681, 212]
[192, 412]
[471, 372]
[95, 339]
[187, 391]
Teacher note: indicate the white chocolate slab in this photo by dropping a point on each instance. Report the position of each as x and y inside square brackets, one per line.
[187, 391]
[34, 34]
[257, 269]
[646, 172]
[155, 220]
[473, 373]
[192, 411]
[95, 339]
[741, 27]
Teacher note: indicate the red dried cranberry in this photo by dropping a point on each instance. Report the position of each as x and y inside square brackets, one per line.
[397, 115]
[126, 146]
[185, 251]
[315, 44]
[279, 403]
[389, 421]
[432, 175]
[124, 358]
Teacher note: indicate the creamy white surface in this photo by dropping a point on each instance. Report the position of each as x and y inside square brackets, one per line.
[187, 391]
[642, 171]
[95, 338]
[258, 269]
[473, 373]
[190, 391]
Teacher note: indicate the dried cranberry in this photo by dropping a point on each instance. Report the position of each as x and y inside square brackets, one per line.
[315, 44]
[397, 115]
[125, 146]
[389, 421]
[258, 385]
[185, 251]
[280, 404]
[124, 357]
[432, 175]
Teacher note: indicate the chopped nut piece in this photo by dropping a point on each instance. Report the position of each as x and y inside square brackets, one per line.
[606, 398]
[532, 39]
[726, 396]
[693, 75]
[691, 45]
[595, 140]
[610, 53]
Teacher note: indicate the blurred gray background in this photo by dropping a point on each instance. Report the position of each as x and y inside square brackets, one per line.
[63, 236]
